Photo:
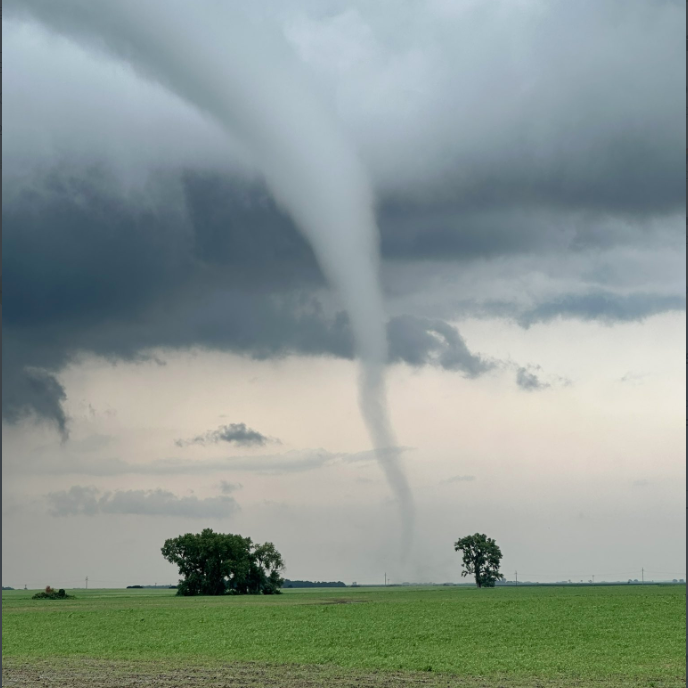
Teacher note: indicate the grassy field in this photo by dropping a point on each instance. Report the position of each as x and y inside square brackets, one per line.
[563, 636]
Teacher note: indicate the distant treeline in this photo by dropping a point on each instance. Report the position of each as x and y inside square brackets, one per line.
[7, 587]
[312, 584]
[158, 587]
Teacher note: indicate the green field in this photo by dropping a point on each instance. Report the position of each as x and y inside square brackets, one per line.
[563, 636]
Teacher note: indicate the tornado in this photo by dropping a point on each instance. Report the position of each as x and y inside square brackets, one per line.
[241, 75]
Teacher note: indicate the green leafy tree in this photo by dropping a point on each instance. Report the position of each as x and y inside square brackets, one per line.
[481, 558]
[269, 563]
[218, 564]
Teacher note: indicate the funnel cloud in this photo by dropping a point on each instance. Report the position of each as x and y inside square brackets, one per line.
[245, 79]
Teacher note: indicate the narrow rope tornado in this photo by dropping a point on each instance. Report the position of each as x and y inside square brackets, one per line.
[249, 84]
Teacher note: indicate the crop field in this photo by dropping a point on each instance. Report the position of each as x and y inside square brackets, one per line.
[432, 636]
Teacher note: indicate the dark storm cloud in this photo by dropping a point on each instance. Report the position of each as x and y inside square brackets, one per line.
[421, 341]
[234, 433]
[604, 306]
[28, 390]
[82, 252]
[89, 501]
[581, 154]
[92, 268]
[523, 118]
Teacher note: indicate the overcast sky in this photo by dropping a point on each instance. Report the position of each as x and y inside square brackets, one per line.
[174, 357]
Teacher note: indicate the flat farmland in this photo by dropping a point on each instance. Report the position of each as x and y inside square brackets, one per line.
[433, 636]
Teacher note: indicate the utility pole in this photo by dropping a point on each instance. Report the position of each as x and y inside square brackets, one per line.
[385, 578]
[86, 582]
[642, 575]
[516, 574]
[593, 577]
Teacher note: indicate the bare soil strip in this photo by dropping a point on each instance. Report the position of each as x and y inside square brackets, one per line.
[87, 673]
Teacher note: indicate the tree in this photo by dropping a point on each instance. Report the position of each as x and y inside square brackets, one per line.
[481, 557]
[217, 564]
[269, 564]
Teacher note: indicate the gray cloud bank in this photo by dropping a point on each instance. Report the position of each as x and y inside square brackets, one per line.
[89, 501]
[120, 238]
[603, 306]
[268, 464]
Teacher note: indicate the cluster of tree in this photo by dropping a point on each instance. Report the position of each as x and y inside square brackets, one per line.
[52, 594]
[7, 587]
[481, 558]
[224, 564]
[213, 563]
[312, 584]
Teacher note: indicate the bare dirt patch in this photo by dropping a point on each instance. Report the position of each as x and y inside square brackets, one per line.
[87, 673]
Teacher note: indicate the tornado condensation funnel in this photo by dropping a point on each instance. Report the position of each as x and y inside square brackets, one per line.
[245, 79]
